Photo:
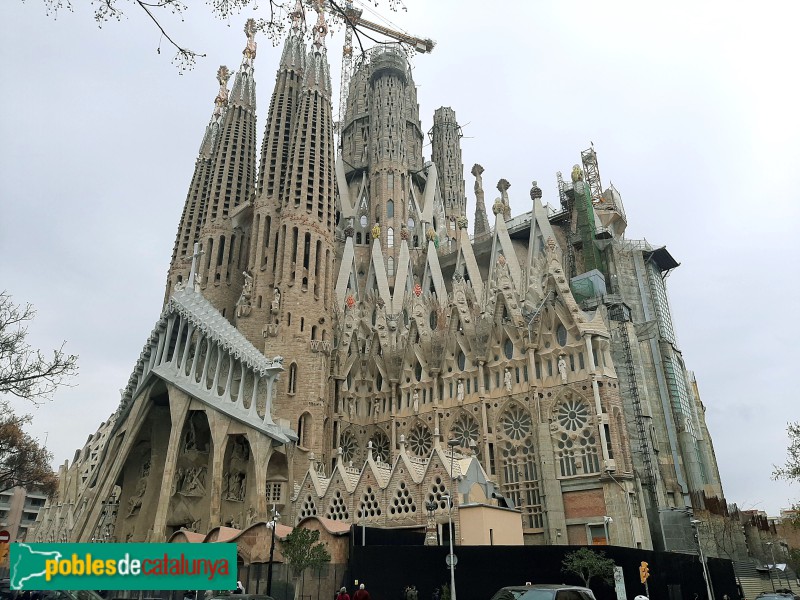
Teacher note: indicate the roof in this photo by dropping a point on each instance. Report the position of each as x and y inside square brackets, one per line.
[662, 258]
[190, 536]
[331, 526]
[202, 314]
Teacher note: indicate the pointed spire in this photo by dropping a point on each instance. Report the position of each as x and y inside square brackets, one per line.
[502, 187]
[320, 29]
[481, 220]
[221, 101]
[249, 51]
[220, 105]
[244, 86]
[298, 18]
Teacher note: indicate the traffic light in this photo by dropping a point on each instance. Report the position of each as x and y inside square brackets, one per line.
[644, 572]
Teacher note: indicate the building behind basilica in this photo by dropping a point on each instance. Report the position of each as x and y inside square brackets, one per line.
[336, 342]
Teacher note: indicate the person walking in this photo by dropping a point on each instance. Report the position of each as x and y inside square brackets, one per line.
[343, 595]
[361, 593]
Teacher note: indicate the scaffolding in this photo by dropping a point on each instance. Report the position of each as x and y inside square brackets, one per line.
[566, 208]
[592, 173]
[587, 231]
[622, 315]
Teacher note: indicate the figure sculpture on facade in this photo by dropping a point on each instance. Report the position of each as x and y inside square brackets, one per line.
[507, 379]
[236, 486]
[190, 442]
[135, 501]
[276, 301]
[460, 391]
[244, 304]
[415, 404]
[562, 368]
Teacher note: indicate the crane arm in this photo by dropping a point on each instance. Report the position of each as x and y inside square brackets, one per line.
[354, 19]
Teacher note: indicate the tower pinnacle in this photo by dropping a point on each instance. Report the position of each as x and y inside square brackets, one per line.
[320, 29]
[250, 50]
[221, 101]
[298, 17]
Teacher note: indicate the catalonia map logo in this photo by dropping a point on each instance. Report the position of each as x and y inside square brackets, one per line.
[122, 566]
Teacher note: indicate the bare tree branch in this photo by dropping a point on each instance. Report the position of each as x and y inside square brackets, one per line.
[25, 372]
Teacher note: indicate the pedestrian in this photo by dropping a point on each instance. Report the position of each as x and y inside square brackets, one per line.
[343, 595]
[361, 593]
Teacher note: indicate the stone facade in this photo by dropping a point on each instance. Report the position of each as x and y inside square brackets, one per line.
[542, 350]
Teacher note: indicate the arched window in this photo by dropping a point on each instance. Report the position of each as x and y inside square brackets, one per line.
[574, 437]
[389, 209]
[304, 430]
[390, 267]
[390, 238]
[292, 378]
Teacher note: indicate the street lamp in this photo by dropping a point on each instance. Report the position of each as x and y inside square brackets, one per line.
[452, 557]
[772, 566]
[606, 522]
[272, 524]
[785, 548]
[709, 590]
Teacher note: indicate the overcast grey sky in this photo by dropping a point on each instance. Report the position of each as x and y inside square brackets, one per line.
[691, 108]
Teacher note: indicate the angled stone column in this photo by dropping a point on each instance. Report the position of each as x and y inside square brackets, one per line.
[218, 423]
[262, 450]
[178, 408]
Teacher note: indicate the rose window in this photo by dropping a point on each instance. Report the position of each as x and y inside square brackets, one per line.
[573, 414]
[464, 430]
[349, 446]
[419, 440]
[380, 446]
[516, 422]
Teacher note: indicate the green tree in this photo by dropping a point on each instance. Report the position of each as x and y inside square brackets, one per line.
[23, 462]
[791, 470]
[302, 550]
[588, 564]
[31, 375]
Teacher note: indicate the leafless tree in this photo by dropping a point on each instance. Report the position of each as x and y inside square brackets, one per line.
[273, 22]
[26, 372]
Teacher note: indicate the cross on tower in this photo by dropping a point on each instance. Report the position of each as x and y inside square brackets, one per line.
[195, 255]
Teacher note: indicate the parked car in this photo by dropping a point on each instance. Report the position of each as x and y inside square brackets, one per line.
[544, 592]
[778, 596]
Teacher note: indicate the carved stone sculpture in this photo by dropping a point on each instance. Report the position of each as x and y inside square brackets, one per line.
[460, 391]
[507, 379]
[562, 368]
[135, 501]
[276, 301]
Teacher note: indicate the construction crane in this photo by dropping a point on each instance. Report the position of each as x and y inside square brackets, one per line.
[353, 19]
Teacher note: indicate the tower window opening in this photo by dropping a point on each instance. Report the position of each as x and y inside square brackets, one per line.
[292, 378]
[306, 250]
